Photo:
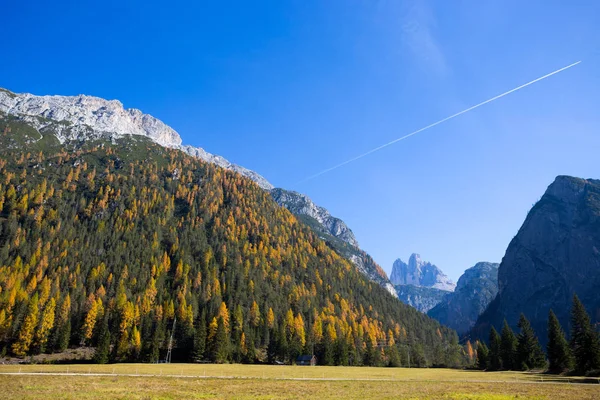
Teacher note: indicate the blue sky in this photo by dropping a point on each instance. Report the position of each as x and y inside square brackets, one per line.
[289, 88]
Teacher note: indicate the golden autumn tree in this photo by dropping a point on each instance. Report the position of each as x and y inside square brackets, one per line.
[254, 314]
[46, 324]
[270, 318]
[27, 331]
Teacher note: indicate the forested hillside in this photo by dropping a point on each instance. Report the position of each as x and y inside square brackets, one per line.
[105, 243]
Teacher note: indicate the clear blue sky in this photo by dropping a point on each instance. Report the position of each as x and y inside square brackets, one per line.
[289, 88]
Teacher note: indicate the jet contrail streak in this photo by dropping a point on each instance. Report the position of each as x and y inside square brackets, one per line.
[436, 123]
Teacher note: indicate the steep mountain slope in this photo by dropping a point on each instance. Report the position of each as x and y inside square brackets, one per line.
[555, 255]
[83, 118]
[475, 289]
[334, 231]
[104, 242]
[419, 283]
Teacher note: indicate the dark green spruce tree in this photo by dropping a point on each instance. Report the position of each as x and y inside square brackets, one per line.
[559, 353]
[102, 354]
[508, 349]
[585, 343]
[220, 348]
[494, 356]
[482, 356]
[529, 352]
[200, 338]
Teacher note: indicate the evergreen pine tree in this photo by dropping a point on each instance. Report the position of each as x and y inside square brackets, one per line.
[221, 343]
[200, 337]
[482, 356]
[393, 356]
[585, 343]
[272, 347]
[341, 352]
[559, 353]
[64, 336]
[529, 353]
[101, 356]
[508, 348]
[494, 358]
[154, 345]
[326, 356]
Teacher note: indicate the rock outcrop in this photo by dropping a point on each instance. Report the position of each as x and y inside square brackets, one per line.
[299, 203]
[555, 255]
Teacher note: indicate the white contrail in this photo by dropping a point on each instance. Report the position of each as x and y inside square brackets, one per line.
[436, 123]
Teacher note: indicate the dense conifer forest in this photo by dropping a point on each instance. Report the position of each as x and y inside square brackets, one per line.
[105, 244]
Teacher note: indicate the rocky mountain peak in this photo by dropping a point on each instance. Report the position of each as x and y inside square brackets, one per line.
[85, 117]
[420, 273]
[555, 255]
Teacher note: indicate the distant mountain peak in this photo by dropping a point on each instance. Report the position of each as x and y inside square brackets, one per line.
[420, 273]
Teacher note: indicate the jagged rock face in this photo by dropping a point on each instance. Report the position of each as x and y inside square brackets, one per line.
[475, 289]
[419, 283]
[300, 204]
[87, 117]
[420, 273]
[419, 297]
[555, 255]
[99, 114]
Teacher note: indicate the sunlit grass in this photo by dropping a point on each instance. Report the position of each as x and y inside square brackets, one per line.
[198, 381]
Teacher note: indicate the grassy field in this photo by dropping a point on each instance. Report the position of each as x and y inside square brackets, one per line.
[162, 381]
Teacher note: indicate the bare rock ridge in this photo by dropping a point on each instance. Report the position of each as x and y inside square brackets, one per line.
[555, 255]
[299, 203]
[86, 117]
[80, 118]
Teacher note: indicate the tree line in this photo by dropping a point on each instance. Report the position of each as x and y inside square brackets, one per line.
[580, 355]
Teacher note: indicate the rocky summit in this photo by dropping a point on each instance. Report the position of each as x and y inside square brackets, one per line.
[420, 273]
[555, 255]
[420, 283]
[87, 117]
[475, 289]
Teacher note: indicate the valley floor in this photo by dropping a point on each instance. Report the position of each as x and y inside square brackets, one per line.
[176, 381]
